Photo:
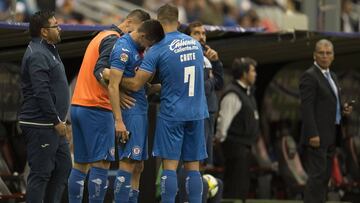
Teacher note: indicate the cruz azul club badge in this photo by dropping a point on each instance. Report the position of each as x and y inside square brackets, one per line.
[124, 57]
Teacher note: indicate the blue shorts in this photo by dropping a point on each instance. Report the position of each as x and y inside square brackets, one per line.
[179, 140]
[93, 134]
[136, 148]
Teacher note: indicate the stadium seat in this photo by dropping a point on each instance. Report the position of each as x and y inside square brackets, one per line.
[290, 166]
[12, 186]
[337, 177]
[292, 159]
[352, 150]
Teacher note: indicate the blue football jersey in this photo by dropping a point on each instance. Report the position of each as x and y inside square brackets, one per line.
[179, 60]
[125, 56]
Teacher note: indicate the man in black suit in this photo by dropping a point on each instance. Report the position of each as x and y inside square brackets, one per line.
[322, 113]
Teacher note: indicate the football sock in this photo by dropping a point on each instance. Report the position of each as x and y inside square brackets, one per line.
[76, 186]
[205, 191]
[122, 186]
[194, 186]
[169, 186]
[97, 184]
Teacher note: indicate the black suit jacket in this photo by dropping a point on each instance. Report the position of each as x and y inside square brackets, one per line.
[318, 107]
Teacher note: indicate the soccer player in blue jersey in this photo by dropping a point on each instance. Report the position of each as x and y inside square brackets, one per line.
[125, 59]
[91, 114]
[179, 134]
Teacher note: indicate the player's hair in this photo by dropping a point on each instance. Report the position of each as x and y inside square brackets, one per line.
[39, 20]
[139, 14]
[153, 30]
[191, 26]
[241, 66]
[168, 14]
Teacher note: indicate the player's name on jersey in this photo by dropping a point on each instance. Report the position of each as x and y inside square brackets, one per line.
[187, 57]
[178, 45]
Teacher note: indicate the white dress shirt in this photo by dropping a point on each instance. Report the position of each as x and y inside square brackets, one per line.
[230, 106]
[327, 71]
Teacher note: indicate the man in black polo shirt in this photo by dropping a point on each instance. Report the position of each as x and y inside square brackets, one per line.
[238, 127]
[43, 112]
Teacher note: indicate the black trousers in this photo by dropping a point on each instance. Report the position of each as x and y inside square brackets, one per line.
[237, 174]
[49, 159]
[209, 124]
[318, 163]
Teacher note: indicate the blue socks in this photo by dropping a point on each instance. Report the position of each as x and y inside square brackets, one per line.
[194, 186]
[97, 184]
[122, 186]
[169, 186]
[134, 195]
[76, 186]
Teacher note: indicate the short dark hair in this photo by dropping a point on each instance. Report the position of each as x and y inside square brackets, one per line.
[153, 30]
[39, 20]
[191, 26]
[241, 66]
[139, 14]
[168, 14]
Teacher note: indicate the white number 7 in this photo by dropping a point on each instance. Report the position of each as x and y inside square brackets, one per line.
[189, 77]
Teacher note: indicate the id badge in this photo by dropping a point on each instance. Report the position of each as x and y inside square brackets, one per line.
[256, 115]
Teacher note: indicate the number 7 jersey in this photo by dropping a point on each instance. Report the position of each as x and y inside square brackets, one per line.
[179, 60]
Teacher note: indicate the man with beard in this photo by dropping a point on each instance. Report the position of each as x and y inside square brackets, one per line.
[43, 112]
[214, 81]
